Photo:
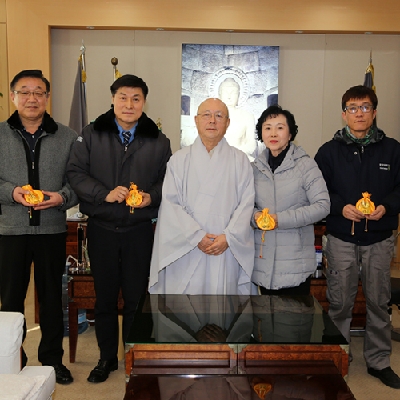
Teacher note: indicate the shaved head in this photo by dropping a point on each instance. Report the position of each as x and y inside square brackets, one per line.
[212, 121]
[213, 103]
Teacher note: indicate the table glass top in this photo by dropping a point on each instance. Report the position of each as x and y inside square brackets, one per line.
[244, 387]
[185, 319]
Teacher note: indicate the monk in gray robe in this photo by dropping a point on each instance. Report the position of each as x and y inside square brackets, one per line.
[203, 242]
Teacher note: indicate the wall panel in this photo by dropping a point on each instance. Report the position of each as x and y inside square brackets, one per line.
[315, 69]
[3, 63]
[314, 72]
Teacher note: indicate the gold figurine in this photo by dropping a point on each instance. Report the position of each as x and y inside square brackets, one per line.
[265, 222]
[262, 389]
[34, 196]
[134, 197]
[366, 206]
[262, 385]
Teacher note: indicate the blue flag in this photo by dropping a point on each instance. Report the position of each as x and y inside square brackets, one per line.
[78, 115]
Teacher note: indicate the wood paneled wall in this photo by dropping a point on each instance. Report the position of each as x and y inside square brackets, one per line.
[3, 62]
[28, 23]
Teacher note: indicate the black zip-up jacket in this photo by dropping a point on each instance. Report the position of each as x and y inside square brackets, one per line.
[99, 162]
[349, 170]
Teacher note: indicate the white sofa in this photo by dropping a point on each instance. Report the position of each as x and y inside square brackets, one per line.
[32, 383]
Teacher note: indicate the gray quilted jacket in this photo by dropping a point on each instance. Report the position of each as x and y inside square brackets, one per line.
[297, 193]
[51, 155]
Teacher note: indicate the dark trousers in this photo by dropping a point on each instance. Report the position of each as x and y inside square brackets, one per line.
[47, 252]
[302, 290]
[119, 261]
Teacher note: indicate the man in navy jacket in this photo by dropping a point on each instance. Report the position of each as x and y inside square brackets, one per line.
[120, 147]
[361, 158]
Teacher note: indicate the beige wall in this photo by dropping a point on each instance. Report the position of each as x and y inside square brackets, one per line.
[314, 69]
[29, 47]
[314, 72]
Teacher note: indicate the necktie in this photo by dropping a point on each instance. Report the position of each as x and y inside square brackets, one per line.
[126, 135]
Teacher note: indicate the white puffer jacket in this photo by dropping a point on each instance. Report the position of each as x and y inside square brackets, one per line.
[297, 194]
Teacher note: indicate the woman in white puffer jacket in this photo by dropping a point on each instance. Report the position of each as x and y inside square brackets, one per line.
[289, 183]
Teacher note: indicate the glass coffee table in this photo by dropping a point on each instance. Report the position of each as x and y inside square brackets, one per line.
[233, 335]
[241, 387]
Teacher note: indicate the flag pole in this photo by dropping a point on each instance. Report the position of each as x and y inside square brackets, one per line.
[369, 78]
[83, 60]
[83, 53]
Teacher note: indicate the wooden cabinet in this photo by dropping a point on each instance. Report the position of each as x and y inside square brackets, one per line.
[318, 290]
[319, 231]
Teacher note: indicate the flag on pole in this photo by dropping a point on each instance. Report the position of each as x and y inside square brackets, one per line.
[369, 74]
[369, 77]
[78, 115]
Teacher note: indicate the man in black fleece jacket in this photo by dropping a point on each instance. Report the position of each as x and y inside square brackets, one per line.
[361, 158]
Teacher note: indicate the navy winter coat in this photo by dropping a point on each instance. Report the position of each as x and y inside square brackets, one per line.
[349, 170]
[99, 163]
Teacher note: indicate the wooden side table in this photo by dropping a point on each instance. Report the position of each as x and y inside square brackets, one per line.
[72, 238]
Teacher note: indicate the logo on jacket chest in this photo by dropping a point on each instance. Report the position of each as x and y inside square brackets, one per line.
[384, 167]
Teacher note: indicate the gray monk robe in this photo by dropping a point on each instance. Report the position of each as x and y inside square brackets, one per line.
[204, 193]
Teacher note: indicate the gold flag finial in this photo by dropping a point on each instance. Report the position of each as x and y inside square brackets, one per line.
[369, 74]
[114, 62]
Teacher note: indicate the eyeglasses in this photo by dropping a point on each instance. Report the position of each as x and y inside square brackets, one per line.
[365, 108]
[208, 115]
[25, 94]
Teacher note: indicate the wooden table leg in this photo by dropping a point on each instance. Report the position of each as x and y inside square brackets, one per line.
[73, 329]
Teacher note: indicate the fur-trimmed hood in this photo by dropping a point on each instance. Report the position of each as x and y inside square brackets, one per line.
[99, 162]
[106, 123]
[48, 123]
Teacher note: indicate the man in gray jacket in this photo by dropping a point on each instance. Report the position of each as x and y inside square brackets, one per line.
[34, 150]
